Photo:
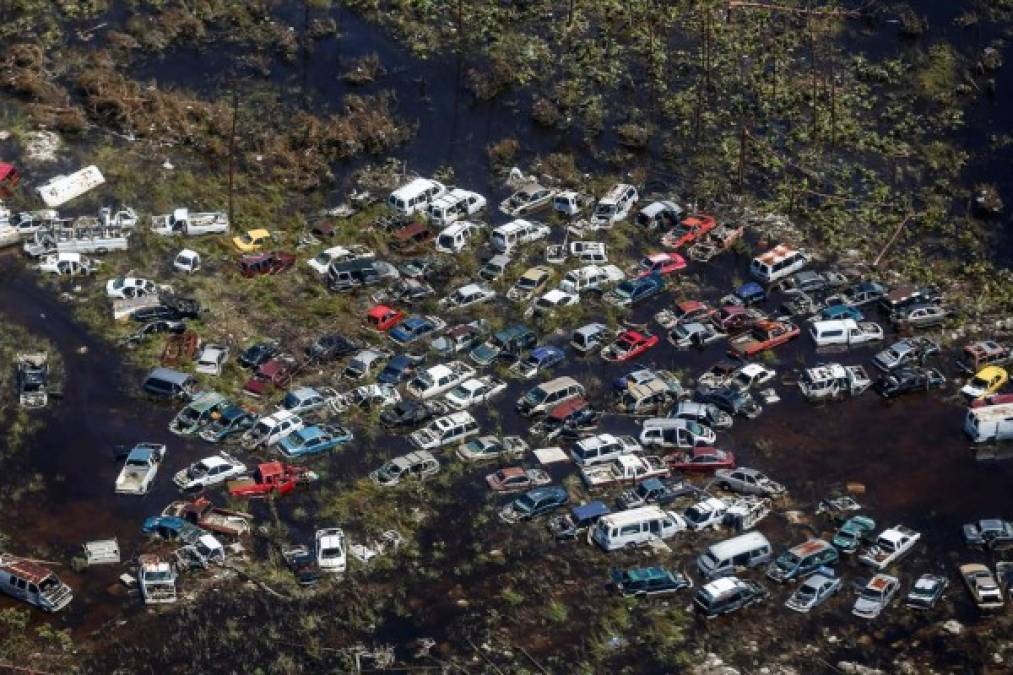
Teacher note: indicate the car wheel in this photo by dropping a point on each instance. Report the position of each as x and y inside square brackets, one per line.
[631, 546]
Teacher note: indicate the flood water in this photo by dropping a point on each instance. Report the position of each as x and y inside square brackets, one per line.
[909, 454]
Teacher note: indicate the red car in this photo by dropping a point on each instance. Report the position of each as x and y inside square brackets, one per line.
[9, 179]
[661, 263]
[270, 477]
[690, 230]
[700, 460]
[629, 345]
[735, 318]
[271, 374]
[764, 335]
[383, 318]
[692, 310]
[515, 478]
[992, 399]
[273, 262]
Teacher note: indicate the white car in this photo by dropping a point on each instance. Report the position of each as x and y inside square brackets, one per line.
[67, 264]
[209, 471]
[708, 513]
[130, 287]
[338, 254]
[211, 359]
[271, 428]
[468, 295]
[475, 390]
[551, 301]
[751, 375]
[330, 550]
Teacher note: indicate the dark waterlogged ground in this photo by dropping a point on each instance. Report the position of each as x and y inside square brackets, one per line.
[909, 454]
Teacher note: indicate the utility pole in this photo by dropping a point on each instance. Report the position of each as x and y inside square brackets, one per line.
[232, 152]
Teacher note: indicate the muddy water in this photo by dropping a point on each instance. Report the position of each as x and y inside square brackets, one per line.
[909, 454]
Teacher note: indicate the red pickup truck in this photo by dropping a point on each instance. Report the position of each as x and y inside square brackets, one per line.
[271, 477]
[764, 335]
[690, 230]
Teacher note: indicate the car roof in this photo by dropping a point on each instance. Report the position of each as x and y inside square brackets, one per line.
[590, 510]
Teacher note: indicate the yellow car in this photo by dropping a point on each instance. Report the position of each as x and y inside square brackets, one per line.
[989, 380]
[252, 241]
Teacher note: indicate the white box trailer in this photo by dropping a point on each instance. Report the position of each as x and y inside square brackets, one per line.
[990, 423]
[87, 239]
[61, 189]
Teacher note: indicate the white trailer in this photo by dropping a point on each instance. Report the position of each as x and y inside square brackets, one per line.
[61, 189]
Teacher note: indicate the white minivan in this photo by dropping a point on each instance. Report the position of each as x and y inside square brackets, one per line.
[990, 423]
[777, 263]
[453, 206]
[415, 195]
[635, 527]
[457, 237]
[506, 238]
[730, 556]
[614, 206]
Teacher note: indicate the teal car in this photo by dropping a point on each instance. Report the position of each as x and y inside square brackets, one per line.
[314, 439]
[853, 533]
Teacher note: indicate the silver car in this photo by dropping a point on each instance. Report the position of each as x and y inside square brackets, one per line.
[814, 591]
[747, 481]
[876, 596]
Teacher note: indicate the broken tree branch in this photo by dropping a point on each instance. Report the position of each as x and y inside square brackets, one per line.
[763, 6]
[896, 234]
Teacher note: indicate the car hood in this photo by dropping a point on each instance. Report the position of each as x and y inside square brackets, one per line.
[865, 607]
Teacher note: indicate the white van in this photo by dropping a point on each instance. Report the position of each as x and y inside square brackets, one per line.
[635, 527]
[452, 428]
[846, 332]
[603, 448]
[668, 432]
[415, 195]
[455, 238]
[506, 238]
[730, 556]
[777, 263]
[453, 206]
[548, 395]
[591, 278]
[614, 206]
[990, 423]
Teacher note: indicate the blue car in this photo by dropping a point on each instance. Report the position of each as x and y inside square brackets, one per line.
[172, 528]
[751, 293]
[534, 503]
[314, 439]
[233, 420]
[633, 377]
[841, 312]
[399, 369]
[634, 291]
[539, 360]
[412, 329]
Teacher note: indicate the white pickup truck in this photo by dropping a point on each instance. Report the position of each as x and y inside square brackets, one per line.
[625, 468]
[181, 221]
[140, 468]
[846, 332]
[591, 278]
[891, 545]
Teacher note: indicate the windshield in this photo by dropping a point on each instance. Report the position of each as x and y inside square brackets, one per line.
[118, 284]
[446, 241]
[246, 239]
[323, 258]
[459, 392]
[527, 283]
[535, 396]
[709, 560]
[331, 553]
[788, 561]
[524, 504]
[604, 209]
[389, 471]
[872, 594]
[805, 593]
